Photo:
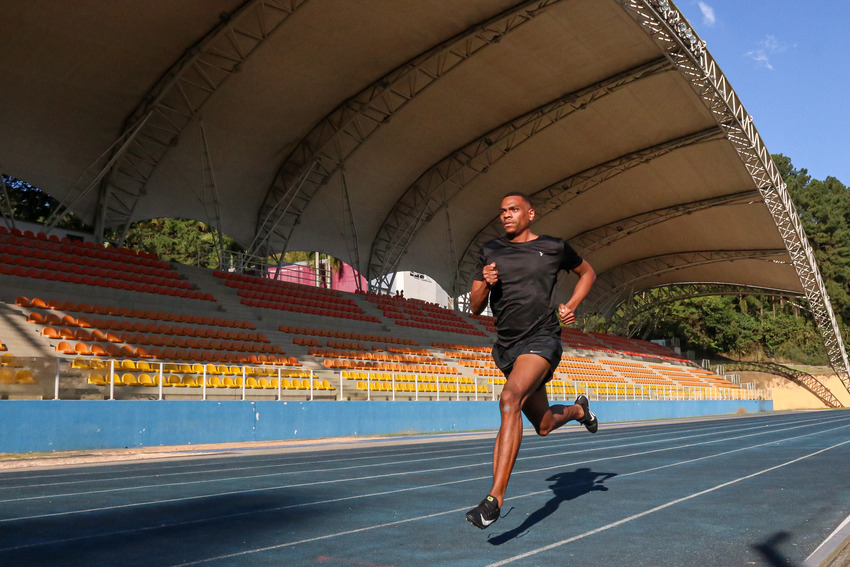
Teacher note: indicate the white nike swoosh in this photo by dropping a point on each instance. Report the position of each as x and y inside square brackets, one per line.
[486, 522]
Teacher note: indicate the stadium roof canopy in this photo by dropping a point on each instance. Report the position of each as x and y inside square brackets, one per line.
[385, 133]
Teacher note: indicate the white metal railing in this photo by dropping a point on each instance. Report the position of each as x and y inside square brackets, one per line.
[558, 390]
[44, 378]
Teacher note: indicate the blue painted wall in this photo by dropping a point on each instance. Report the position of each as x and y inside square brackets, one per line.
[39, 426]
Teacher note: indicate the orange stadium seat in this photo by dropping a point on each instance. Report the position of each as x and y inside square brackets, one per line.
[36, 317]
[50, 333]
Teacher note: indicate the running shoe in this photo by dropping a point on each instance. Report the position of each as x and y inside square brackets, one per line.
[589, 420]
[485, 513]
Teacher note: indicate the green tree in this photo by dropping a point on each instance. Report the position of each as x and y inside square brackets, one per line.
[824, 209]
[31, 204]
[178, 240]
[310, 258]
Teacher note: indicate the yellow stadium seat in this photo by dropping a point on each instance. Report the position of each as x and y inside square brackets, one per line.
[128, 379]
[191, 381]
[7, 375]
[146, 380]
[97, 379]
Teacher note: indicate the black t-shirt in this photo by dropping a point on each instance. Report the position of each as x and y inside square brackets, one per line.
[523, 300]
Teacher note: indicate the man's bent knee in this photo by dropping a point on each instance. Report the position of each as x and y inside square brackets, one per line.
[509, 402]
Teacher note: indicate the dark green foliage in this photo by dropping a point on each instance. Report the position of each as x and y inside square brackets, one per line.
[743, 327]
[177, 240]
[30, 204]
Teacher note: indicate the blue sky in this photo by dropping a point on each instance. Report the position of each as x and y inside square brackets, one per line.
[788, 61]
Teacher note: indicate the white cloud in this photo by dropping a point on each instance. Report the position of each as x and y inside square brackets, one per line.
[771, 44]
[760, 57]
[766, 48]
[708, 16]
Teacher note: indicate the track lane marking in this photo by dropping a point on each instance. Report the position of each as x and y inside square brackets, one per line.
[407, 489]
[554, 449]
[534, 442]
[527, 554]
[662, 507]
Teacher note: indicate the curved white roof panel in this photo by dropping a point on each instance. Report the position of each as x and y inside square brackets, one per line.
[424, 113]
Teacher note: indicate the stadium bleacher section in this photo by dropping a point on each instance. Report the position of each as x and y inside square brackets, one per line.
[110, 323]
[25, 255]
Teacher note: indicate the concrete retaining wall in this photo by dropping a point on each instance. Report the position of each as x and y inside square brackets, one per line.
[40, 426]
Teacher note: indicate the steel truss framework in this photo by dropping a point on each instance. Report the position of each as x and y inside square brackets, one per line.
[212, 210]
[121, 174]
[617, 284]
[451, 175]
[558, 194]
[6, 205]
[168, 108]
[333, 140]
[633, 314]
[804, 379]
[606, 235]
[666, 26]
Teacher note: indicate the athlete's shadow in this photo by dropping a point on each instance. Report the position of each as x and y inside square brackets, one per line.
[567, 486]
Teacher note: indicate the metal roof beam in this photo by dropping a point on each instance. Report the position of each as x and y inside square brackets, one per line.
[668, 28]
[613, 286]
[606, 235]
[333, 140]
[555, 196]
[455, 172]
[168, 108]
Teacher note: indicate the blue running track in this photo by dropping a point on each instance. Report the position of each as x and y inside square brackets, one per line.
[763, 489]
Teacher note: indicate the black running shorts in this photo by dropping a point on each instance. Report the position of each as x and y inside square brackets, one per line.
[542, 344]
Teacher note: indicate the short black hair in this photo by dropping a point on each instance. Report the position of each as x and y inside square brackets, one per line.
[520, 194]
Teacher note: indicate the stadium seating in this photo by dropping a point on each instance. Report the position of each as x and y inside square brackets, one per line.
[31, 256]
[159, 341]
[287, 296]
[146, 334]
[423, 315]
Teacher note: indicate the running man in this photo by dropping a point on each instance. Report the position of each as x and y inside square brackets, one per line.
[518, 273]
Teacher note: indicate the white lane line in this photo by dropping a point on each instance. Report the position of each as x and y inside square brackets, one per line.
[119, 476]
[661, 507]
[517, 557]
[533, 444]
[350, 479]
[554, 452]
[829, 545]
[407, 489]
[547, 445]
